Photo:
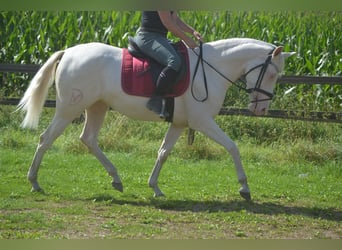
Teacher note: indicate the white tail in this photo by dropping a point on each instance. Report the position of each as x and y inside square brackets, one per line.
[34, 97]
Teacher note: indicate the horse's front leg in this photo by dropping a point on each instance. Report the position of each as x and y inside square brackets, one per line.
[213, 131]
[169, 141]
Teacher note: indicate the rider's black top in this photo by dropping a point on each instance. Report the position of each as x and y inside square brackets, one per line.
[150, 21]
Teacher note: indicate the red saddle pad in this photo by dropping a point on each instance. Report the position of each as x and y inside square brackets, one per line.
[136, 76]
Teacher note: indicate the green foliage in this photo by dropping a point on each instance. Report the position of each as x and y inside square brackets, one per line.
[31, 36]
[121, 134]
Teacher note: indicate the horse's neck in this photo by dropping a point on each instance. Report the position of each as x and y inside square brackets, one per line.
[231, 55]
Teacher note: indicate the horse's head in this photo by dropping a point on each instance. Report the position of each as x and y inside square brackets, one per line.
[261, 77]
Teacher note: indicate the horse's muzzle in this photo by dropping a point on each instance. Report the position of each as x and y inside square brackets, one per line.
[258, 108]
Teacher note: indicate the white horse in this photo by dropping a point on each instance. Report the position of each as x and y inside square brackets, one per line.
[88, 77]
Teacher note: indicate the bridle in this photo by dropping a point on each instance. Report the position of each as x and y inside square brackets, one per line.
[241, 82]
[263, 70]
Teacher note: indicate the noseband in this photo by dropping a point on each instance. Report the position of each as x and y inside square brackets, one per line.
[241, 82]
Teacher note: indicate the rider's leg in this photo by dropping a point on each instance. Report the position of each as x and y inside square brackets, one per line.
[164, 84]
[160, 49]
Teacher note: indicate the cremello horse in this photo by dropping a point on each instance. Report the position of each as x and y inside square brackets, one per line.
[88, 77]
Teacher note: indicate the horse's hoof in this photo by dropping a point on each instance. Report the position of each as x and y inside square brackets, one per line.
[246, 196]
[156, 195]
[37, 190]
[35, 187]
[118, 186]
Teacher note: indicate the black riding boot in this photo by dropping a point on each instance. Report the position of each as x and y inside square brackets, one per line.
[164, 84]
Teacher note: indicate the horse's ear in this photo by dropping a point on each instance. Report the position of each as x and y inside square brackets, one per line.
[277, 51]
[288, 54]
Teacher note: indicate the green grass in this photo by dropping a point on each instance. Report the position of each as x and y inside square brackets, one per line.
[294, 167]
[79, 202]
[295, 183]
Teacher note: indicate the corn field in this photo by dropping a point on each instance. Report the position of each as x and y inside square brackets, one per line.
[30, 37]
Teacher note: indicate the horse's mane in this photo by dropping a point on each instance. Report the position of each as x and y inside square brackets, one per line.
[231, 45]
[233, 42]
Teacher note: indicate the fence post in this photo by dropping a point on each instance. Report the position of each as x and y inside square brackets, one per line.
[191, 136]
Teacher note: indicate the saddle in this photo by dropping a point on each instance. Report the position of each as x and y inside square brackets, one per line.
[139, 73]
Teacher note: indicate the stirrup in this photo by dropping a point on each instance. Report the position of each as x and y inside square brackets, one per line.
[157, 104]
[163, 114]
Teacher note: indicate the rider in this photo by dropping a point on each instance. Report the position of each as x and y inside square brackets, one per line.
[151, 38]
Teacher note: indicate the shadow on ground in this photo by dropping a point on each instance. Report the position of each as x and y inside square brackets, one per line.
[258, 207]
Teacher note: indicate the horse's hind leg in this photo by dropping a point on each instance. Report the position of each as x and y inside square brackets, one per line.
[94, 119]
[54, 130]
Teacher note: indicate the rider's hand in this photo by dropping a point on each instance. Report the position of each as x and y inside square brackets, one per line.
[191, 43]
[198, 36]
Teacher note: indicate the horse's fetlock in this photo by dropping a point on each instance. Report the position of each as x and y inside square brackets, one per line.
[243, 180]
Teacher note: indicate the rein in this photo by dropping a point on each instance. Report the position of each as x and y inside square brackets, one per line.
[200, 59]
[250, 90]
